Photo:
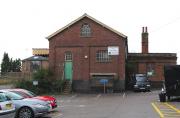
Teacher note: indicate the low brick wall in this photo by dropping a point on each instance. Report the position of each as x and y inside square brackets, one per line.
[8, 86]
[85, 86]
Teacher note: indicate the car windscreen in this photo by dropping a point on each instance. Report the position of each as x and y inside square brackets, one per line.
[25, 93]
[14, 96]
[141, 79]
[31, 94]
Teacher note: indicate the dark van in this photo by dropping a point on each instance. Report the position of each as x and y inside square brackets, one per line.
[141, 83]
[171, 87]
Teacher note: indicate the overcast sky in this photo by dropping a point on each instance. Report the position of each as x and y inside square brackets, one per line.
[24, 24]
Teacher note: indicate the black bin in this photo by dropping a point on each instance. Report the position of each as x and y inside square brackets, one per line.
[162, 97]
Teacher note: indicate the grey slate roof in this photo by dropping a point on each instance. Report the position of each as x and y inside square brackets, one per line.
[36, 58]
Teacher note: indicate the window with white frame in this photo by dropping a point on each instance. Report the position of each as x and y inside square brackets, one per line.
[102, 56]
[68, 56]
[85, 30]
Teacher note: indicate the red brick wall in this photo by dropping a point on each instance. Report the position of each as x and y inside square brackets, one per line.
[142, 67]
[70, 40]
[145, 46]
[158, 67]
[145, 40]
[159, 71]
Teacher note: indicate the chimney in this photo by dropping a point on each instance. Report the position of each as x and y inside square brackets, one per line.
[145, 40]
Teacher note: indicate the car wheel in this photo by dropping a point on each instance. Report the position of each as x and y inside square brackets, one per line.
[25, 112]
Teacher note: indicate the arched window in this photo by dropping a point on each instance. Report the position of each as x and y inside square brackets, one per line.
[85, 30]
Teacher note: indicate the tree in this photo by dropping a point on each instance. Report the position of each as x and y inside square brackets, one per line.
[10, 65]
[5, 65]
[16, 65]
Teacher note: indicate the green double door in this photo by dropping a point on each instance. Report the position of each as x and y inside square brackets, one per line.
[68, 70]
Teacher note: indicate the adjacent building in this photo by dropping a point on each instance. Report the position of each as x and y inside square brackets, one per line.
[150, 63]
[39, 60]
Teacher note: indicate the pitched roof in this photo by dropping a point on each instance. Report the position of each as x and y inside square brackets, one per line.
[36, 58]
[83, 16]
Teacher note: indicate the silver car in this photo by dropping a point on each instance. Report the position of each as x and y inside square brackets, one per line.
[28, 107]
[7, 108]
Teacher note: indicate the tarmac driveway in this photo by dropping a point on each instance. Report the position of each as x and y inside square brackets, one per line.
[116, 105]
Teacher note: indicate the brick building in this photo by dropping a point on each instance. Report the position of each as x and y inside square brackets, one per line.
[82, 53]
[150, 63]
[39, 60]
[78, 52]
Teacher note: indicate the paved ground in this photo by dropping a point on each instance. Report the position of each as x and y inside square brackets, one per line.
[118, 105]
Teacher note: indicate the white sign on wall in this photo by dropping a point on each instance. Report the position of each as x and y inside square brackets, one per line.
[113, 50]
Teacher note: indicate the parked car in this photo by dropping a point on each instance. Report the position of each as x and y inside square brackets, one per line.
[29, 94]
[141, 83]
[27, 107]
[7, 108]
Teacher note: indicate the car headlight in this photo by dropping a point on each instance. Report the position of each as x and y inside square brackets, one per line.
[38, 105]
[135, 85]
[148, 85]
[162, 90]
[50, 101]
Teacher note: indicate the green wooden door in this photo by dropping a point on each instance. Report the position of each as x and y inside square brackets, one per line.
[68, 70]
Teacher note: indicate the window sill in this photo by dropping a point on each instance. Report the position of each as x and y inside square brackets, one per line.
[103, 61]
[86, 36]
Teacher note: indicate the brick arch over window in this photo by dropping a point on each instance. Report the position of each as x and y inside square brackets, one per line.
[85, 30]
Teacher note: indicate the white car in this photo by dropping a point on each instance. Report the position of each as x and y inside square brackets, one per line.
[7, 108]
[28, 107]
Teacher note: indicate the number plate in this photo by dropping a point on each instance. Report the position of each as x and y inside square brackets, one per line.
[8, 106]
[142, 88]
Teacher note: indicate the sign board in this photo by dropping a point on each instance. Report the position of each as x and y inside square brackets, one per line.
[35, 83]
[151, 73]
[113, 50]
[103, 81]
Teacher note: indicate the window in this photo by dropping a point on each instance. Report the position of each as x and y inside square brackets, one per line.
[85, 30]
[102, 56]
[35, 65]
[150, 69]
[68, 56]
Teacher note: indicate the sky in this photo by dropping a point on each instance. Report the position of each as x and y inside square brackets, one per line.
[25, 24]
